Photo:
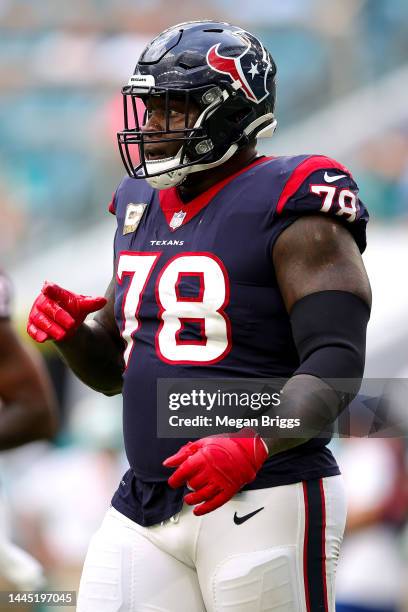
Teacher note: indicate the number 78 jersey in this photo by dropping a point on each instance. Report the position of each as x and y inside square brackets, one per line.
[196, 292]
[205, 308]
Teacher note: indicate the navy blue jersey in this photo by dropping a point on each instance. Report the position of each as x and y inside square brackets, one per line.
[196, 296]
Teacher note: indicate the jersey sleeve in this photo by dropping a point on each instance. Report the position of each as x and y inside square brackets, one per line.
[5, 296]
[321, 185]
[112, 204]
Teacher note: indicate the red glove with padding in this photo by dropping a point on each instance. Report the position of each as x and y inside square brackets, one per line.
[57, 313]
[217, 467]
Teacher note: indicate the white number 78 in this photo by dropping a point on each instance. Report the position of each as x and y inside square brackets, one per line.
[206, 309]
[346, 200]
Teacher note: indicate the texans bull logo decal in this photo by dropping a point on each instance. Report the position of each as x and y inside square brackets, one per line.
[236, 68]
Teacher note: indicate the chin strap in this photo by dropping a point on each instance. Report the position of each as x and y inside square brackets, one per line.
[176, 177]
[167, 179]
[172, 178]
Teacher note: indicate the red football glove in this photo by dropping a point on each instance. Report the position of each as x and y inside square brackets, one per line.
[57, 313]
[216, 468]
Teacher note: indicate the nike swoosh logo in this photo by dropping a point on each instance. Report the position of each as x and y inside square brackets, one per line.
[334, 177]
[238, 520]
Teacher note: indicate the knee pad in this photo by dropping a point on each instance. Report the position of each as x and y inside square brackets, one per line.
[259, 580]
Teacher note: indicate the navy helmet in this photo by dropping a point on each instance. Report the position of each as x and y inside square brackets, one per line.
[230, 77]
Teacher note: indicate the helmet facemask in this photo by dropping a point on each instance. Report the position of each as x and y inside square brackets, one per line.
[192, 138]
[201, 142]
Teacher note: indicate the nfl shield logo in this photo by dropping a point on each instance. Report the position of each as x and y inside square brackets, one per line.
[177, 219]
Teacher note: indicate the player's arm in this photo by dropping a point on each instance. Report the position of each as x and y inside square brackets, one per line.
[28, 404]
[92, 349]
[327, 294]
[95, 352]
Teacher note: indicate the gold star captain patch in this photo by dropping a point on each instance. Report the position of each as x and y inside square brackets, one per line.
[134, 213]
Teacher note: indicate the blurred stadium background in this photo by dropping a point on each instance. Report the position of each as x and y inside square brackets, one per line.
[342, 91]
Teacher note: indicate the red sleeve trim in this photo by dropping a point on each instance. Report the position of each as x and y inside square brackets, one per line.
[112, 207]
[303, 170]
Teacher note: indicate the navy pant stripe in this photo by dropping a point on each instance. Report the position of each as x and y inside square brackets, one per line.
[314, 556]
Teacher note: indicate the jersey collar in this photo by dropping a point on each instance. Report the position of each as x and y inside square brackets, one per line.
[174, 208]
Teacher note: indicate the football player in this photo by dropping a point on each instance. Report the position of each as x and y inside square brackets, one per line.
[227, 264]
[28, 413]
[27, 398]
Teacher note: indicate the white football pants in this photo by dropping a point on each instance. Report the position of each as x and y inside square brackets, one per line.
[270, 549]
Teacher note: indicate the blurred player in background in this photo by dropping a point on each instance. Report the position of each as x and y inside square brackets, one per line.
[227, 264]
[371, 570]
[27, 413]
[52, 532]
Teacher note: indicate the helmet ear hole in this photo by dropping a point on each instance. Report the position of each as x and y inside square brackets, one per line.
[239, 115]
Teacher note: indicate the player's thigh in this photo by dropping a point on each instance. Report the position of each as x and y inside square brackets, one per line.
[125, 572]
[282, 557]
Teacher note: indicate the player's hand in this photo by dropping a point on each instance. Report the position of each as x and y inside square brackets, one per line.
[217, 467]
[57, 313]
